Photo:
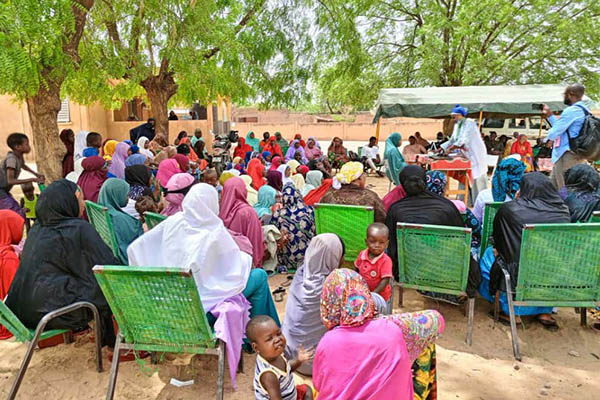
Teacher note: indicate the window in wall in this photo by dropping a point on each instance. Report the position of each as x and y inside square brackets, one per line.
[63, 115]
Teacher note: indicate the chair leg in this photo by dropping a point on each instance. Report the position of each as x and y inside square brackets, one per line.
[221, 370]
[25, 363]
[513, 323]
[97, 336]
[583, 316]
[497, 307]
[470, 314]
[114, 368]
[67, 337]
[400, 296]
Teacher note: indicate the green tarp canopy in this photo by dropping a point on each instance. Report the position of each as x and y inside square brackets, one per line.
[494, 101]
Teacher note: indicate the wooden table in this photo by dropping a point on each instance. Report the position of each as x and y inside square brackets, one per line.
[454, 168]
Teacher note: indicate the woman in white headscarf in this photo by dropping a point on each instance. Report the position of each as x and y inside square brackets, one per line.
[302, 325]
[73, 176]
[142, 143]
[285, 172]
[80, 144]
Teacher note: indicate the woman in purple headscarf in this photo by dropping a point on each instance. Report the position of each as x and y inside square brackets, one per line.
[117, 162]
[295, 147]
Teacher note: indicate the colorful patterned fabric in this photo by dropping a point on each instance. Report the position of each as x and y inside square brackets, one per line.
[424, 375]
[436, 182]
[299, 221]
[349, 172]
[507, 178]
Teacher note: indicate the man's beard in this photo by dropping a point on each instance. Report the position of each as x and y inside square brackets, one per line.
[566, 101]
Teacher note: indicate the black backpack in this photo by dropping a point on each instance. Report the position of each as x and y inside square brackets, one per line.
[587, 143]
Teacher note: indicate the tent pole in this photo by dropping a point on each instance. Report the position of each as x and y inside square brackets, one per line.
[377, 129]
[541, 121]
[480, 117]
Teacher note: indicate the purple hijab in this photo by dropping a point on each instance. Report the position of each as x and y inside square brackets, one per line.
[292, 150]
[117, 162]
[274, 179]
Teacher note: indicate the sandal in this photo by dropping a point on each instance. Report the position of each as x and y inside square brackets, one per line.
[288, 281]
[596, 326]
[548, 324]
[278, 294]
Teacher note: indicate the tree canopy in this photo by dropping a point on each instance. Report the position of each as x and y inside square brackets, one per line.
[382, 43]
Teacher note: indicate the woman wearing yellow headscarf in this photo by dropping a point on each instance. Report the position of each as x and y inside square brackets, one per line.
[109, 149]
[349, 188]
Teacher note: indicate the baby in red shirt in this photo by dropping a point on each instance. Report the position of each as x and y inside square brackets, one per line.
[373, 264]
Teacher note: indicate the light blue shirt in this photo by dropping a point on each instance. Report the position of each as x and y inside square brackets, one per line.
[569, 124]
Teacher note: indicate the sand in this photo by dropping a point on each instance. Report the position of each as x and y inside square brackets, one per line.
[556, 365]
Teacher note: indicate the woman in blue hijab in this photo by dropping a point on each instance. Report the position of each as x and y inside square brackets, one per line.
[395, 161]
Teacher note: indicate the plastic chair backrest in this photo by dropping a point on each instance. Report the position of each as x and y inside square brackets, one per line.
[348, 222]
[559, 265]
[10, 321]
[487, 226]
[595, 217]
[100, 219]
[156, 308]
[153, 219]
[434, 258]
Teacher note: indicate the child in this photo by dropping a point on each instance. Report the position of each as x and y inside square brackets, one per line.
[93, 142]
[10, 169]
[145, 204]
[375, 266]
[28, 202]
[210, 177]
[273, 377]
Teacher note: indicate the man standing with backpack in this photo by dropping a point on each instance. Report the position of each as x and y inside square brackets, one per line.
[567, 126]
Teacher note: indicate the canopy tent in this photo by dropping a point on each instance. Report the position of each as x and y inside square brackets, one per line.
[502, 101]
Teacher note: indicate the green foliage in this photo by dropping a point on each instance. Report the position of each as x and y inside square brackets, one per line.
[380, 43]
[32, 35]
[249, 49]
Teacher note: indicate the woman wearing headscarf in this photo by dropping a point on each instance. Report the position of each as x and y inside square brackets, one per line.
[197, 239]
[273, 148]
[225, 176]
[266, 200]
[140, 180]
[337, 153]
[135, 159]
[177, 187]
[256, 171]
[93, 176]
[581, 192]
[313, 181]
[299, 222]
[394, 162]
[538, 202]
[11, 233]
[252, 196]
[143, 144]
[522, 147]
[302, 324]
[421, 206]
[166, 169]
[275, 180]
[505, 185]
[252, 141]
[113, 196]
[396, 194]
[182, 161]
[55, 269]
[285, 172]
[108, 149]
[241, 149]
[294, 148]
[314, 196]
[313, 150]
[239, 216]
[354, 360]
[298, 137]
[349, 188]
[275, 163]
[74, 175]
[68, 138]
[117, 161]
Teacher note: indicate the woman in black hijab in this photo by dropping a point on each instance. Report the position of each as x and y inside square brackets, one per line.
[421, 206]
[581, 192]
[537, 202]
[55, 269]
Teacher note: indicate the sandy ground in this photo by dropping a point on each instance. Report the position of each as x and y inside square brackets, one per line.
[556, 365]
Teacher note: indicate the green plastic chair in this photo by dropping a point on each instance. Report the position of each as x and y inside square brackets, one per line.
[489, 212]
[348, 222]
[100, 219]
[157, 309]
[23, 334]
[559, 266]
[153, 219]
[435, 258]
[595, 217]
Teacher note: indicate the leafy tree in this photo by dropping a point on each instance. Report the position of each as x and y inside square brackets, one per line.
[384, 43]
[39, 41]
[187, 51]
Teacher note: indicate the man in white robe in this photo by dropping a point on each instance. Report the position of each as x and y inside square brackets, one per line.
[467, 138]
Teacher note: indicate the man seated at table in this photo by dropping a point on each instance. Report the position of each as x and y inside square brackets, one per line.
[370, 155]
[413, 149]
[422, 141]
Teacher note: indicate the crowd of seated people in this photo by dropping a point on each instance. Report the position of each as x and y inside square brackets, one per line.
[257, 218]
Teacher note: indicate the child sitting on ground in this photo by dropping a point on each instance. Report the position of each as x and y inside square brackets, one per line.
[93, 142]
[273, 377]
[145, 204]
[211, 177]
[375, 266]
[28, 202]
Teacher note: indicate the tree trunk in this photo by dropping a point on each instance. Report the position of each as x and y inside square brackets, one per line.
[159, 89]
[448, 127]
[43, 110]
